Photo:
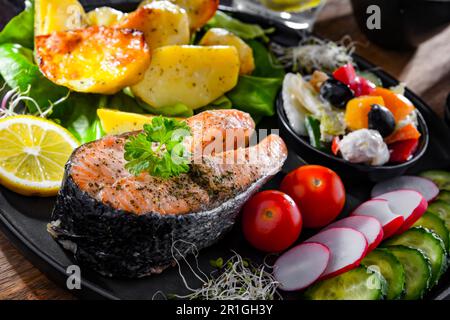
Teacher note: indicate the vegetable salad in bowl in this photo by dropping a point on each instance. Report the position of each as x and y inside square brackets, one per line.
[349, 114]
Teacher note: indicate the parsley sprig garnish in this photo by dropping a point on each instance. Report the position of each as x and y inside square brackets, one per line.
[159, 149]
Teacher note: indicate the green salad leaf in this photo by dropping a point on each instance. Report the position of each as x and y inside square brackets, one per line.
[266, 64]
[256, 95]
[243, 30]
[21, 28]
[159, 150]
[220, 104]
[19, 71]
[78, 114]
[124, 102]
[178, 110]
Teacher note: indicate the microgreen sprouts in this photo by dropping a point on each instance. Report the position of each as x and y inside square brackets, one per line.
[235, 279]
[10, 105]
[313, 53]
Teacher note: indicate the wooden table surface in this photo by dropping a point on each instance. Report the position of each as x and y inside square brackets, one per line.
[425, 70]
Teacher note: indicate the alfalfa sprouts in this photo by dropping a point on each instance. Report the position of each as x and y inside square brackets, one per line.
[235, 279]
[11, 104]
[314, 53]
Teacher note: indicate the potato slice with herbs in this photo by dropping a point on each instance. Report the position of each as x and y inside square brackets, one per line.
[222, 37]
[162, 22]
[199, 11]
[58, 15]
[95, 60]
[191, 75]
[105, 16]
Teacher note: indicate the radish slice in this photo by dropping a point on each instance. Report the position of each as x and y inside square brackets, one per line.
[408, 203]
[301, 266]
[347, 246]
[380, 210]
[426, 187]
[370, 227]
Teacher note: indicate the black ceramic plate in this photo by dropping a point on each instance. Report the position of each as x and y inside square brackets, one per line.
[24, 219]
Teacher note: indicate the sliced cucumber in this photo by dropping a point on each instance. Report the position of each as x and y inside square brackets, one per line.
[357, 284]
[444, 196]
[417, 271]
[428, 243]
[390, 268]
[442, 210]
[441, 178]
[434, 223]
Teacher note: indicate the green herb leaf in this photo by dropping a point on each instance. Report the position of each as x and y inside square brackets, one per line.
[159, 149]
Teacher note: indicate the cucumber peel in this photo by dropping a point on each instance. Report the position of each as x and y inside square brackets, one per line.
[429, 244]
[390, 268]
[357, 284]
[417, 271]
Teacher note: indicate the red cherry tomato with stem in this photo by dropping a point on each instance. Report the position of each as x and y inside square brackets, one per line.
[271, 221]
[318, 192]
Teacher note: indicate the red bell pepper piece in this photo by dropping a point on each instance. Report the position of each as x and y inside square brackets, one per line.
[362, 87]
[359, 85]
[403, 151]
[335, 145]
[345, 74]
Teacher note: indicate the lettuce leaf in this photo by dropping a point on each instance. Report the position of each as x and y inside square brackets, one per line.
[219, 104]
[243, 30]
[19, 71]
[266, 64]
[256, 95]
[78, 114]
[21, 28]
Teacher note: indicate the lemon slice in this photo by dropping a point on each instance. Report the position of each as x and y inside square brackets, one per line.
[33, 152]
[117, 122]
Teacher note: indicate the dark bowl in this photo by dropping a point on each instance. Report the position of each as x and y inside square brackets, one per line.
[404, 23]
[347, 170]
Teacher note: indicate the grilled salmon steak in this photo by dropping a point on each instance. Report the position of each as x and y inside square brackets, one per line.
[125, 225]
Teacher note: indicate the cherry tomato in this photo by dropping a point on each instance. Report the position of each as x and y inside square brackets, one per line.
[271, 221]
[318, 192]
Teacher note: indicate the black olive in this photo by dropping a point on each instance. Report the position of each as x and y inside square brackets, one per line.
[336, 93]
[382, 120]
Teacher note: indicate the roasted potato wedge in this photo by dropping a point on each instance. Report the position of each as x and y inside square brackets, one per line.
[105, 16]
[118, 122]
[192, 75]
[222, 37]
[199, 11]
[58, 15]
[162, 22]
[95, 60]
